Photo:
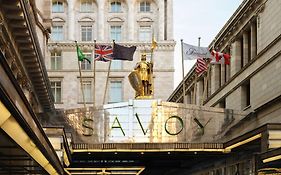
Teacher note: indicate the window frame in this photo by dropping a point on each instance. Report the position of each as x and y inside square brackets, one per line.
[55, 87]
[59, 37]
[115, 7]
[80, 95]
[88, 7]
[145, 6]
[59, 5]
[116, 33]
[57, 57]
[147, 34]
[110, 100]
[86, 26]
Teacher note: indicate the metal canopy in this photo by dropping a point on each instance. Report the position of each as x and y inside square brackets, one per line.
[14, 160]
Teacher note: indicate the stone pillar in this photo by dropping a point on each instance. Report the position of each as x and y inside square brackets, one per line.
[215, 78]
[101, 28]
[245, 48]
[169, 20]
[223, 70]
[188, 97]
[253, 40]
[131, 20]
[235, 60]
[199, 92]
[161, 22]
[71, 20]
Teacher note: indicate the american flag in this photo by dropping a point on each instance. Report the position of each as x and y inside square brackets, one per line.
[103, 53]
[201, 66]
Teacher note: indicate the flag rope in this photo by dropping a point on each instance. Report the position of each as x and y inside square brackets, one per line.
[107, 78]
[183, 82]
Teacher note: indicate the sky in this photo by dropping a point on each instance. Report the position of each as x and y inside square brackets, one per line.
[198, 18]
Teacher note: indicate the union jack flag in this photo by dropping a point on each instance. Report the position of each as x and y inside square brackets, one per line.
[103, 53]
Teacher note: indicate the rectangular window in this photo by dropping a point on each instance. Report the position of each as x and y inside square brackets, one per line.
[86, 6]
[87, 89]
[56, 61]
[57, 33]
[145, 33]
[145, 6]
[246, 95]
[57, 7]
[116, 65]
[115, 92]
[86, 33]
[56, 90]
[85, 65]
[115, 33]
[116, 7]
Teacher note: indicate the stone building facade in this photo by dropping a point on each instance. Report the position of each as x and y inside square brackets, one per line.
[250, 84]
[128, 22]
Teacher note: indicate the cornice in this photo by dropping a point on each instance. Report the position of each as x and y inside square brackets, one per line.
[162, 45]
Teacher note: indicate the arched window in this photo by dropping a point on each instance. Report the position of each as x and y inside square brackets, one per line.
[115, 7]
[145, 6]
[86, 6]
[57, 7]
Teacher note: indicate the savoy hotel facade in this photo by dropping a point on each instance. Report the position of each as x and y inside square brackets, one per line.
[250, 84]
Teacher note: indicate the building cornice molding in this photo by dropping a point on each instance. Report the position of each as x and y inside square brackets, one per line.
[162, 45]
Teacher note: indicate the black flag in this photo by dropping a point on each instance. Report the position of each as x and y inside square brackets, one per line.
[123, 53]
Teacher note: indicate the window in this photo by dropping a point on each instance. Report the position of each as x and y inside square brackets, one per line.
[85, 65]
[145, 33]
[145, 6]
[86, 6]
[115, 33]
[57, 33]
[57, 7]
[115, 94]
[86, 33]
[56, 61]
[116, 65]
[56, 90]
[87, 89]
[246, 95]
[116, 7]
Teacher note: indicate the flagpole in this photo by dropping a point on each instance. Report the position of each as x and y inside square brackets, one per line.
[94, 83]
[108, 71]
[153, 46]
[183, 82]
[81, 82]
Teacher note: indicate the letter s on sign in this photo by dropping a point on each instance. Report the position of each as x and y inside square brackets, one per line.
[181, 123]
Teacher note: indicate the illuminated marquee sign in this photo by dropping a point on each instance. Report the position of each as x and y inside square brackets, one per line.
[150, 121]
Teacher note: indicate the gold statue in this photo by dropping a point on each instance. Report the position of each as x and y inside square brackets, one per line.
[141, 78]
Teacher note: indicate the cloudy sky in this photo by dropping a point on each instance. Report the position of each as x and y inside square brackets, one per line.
[194, 18]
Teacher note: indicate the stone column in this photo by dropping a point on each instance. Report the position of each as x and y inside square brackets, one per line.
[215, 78]
[71, 20]
[101, 27]
[188, 97]
[161, 22]
[245, 48]
[169, 20]
[223, 70]
[235, 60]
[253, 40]
[199, 92]
[131, 20]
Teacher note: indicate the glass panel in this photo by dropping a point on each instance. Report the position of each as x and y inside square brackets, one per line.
[86, 33]
[115, 32]
[86, 6]
[145, 33]
[57, 7]
[145, 6]
[116, 65]
[57, 33]
[56, 61]
[115, 7]
[56, 90]
[115, 92]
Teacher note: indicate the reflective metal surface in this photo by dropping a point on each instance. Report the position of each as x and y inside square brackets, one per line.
[148, 121]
